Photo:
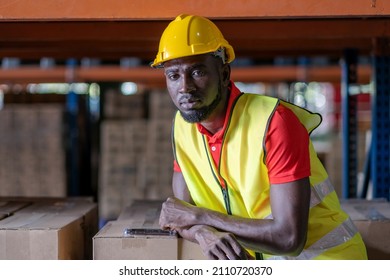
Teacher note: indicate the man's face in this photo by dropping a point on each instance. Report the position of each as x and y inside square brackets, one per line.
[194, 84]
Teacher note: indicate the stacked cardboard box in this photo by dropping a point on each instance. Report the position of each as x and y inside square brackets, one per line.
[47, 228]
[161, 106]
[122, 146]
[158, 158]
[136, 163]
[119, 106]
[136, 156]
[333, 159]
[156, 166]
[135, 235]
[32, 151]
[372, 219]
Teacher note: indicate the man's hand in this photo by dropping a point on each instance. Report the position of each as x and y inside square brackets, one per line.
[183, 217]
[217, 245]
[177, 214]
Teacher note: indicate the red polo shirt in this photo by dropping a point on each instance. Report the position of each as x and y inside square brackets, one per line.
[286, 160]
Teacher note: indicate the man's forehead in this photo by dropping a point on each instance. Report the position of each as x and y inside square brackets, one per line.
[188, 61]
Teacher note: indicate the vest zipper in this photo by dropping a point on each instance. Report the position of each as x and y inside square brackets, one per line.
[225, 194]
[224, 188]
[218, 178]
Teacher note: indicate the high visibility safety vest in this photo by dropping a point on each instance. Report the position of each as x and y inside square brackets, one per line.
[240, 186]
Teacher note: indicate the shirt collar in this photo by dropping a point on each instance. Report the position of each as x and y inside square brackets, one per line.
[234, 93]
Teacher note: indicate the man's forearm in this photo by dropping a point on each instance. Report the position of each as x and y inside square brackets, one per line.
[191, 232]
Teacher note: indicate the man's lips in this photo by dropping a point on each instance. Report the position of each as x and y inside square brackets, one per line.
[189, 104]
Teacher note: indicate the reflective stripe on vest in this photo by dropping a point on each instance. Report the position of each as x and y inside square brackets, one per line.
[318, 193]
[337, 236]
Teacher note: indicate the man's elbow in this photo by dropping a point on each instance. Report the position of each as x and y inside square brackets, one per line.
[294, 245]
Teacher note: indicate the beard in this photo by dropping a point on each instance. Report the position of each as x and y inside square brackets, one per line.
[201, 114]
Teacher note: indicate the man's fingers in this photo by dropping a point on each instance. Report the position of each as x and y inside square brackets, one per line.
[219, 254]
[234, 251]
[228, 249]
[239, 251]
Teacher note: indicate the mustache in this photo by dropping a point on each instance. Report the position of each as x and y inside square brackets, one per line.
[189, 97]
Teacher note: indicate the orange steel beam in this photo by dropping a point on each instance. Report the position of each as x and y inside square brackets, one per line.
[232, 29]
[148, 76]
[63, 10]
[255, 38]
[296, 73]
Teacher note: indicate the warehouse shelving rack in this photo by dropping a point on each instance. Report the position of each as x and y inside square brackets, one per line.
[258, 29]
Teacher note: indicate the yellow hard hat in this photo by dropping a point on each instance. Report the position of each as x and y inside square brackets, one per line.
[190, 35]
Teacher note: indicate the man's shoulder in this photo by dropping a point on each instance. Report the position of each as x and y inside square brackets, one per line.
[257, 99]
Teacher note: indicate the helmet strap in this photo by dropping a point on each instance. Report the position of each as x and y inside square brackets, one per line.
[220, 52]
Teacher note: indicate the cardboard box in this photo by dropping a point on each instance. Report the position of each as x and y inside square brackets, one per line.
[32, 151]
[47, 229]
[8, 208]
[136, 163]
[112, 242]
[372, 218]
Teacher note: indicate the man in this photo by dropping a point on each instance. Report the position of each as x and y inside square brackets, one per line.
[247, 181]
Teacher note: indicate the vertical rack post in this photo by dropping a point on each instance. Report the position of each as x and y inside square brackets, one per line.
[349, 124]
[72, 105]
[380, 153]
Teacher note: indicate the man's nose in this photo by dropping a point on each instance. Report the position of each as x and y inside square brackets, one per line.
[187, 85]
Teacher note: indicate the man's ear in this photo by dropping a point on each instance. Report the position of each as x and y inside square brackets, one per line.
[226, 74]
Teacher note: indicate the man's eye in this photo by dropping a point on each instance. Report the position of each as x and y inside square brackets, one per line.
[198, 73]
[172, 76]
